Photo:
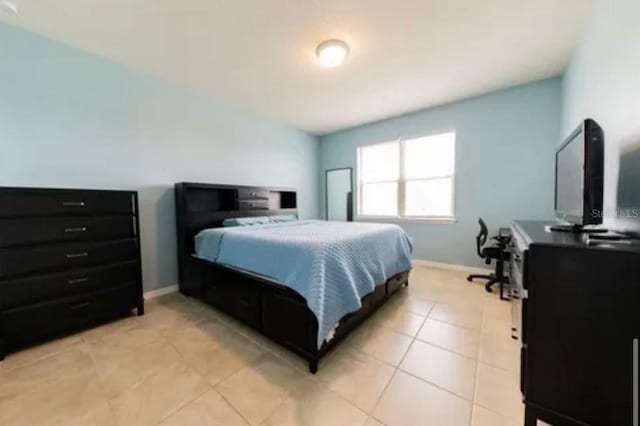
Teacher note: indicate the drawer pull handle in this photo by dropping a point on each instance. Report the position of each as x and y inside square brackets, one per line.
[80, 306]
[73, 204]
[79, 229]
[253, 194]
[78, 280]
[75, 255]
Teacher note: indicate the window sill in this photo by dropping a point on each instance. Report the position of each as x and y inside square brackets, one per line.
[407, 219]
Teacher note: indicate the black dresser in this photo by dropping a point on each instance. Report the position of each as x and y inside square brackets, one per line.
[69, 259]
[577, 314]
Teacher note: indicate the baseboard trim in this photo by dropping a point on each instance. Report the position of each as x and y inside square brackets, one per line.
[451, 266]
[152, 294]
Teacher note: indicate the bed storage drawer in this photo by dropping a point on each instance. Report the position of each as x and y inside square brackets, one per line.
[230, 293]
[67, 228]
[396, 282]
[16, 202]
[278, 311]
[32, 289]
[25, 324]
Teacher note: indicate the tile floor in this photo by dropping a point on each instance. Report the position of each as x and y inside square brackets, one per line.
[439, 353]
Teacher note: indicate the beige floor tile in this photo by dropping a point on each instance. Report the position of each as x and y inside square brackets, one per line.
[458, 339]
[119, 368]
[222, 359]
[499, 351]
[53, 397]
[315, 405]
[498, 328]
[256, 391]
[132, 337]
[405, 301]
[210, 409]
[35, 353]
[446, 369]
[372, 422]
[160, 367]
[158, 395]
[408, 399]
[73, 364]
[358, 377]
[499, 391]
[202, 337]
[100, 415]
[400, 321]
[483, 417]
[117, 326]
[171, 313]
[383, 344]
[496, 309]
[461, 316]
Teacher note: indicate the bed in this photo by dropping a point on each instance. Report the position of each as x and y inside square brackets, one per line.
[304, 284]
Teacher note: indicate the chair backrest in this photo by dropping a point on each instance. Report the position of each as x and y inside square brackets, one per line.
[481, 238]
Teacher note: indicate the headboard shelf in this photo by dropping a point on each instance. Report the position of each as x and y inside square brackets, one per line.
[202, 205]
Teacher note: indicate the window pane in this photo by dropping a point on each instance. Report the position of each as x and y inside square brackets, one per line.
[379, 199]
[380, 162]
[429, 198]
[431, 156]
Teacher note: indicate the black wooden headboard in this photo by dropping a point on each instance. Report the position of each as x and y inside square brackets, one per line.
[200, 206]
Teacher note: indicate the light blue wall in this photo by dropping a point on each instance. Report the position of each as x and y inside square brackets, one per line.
[70, 119]
[504, 162]
[603, 82]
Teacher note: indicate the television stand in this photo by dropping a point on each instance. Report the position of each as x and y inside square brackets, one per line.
[577, 229]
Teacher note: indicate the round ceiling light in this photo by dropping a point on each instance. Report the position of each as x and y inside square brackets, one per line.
[332, 53]
[9, 6]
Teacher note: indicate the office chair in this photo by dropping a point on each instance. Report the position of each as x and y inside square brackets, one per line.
[488, 253]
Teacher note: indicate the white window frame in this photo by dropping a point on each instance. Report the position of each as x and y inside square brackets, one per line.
[402, 181]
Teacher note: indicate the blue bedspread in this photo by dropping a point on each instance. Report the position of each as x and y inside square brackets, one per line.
[331, 264]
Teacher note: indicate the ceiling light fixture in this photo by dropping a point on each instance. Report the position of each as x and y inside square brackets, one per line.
[9, 6]
[332, 53]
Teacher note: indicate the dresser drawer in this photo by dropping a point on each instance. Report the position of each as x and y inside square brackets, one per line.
[64, 256]
[253, 204]
[31, 290]
[29, 323]
[68, 228]
[44, 202]
[250, 194]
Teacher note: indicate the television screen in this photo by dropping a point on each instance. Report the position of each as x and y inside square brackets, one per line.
[580, 175]
[570, 179]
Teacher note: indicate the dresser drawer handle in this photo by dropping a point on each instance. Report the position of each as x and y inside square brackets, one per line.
[78, 280]
[253, 194]
[80, 306]
[79, 229]
[75, 255]
[73, 204]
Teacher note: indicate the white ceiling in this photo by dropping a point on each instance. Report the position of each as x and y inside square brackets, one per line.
[259, 55]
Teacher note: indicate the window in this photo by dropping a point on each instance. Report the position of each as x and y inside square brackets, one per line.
[412, 178]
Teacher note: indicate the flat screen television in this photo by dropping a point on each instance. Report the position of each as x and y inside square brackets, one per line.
[580, 178]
